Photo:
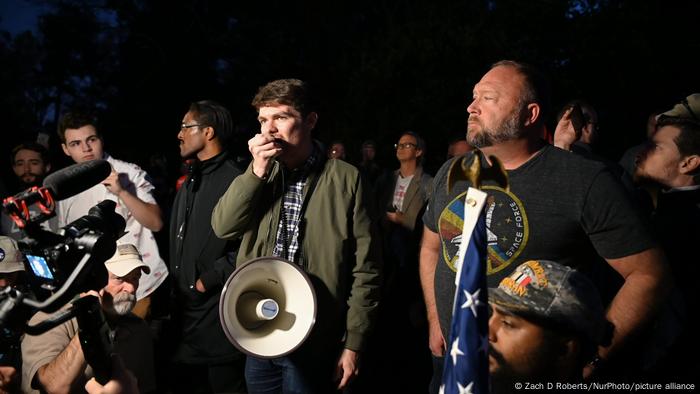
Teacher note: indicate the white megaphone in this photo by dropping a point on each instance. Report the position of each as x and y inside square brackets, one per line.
[267, 307]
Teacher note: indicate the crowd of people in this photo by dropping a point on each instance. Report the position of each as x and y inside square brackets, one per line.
[589, 266]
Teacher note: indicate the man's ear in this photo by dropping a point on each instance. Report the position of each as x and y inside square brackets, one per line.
[311, 120]
[690, 164]
[533, 114]
[48, 168]
[419, 152]
[209, 133]
[65, 149]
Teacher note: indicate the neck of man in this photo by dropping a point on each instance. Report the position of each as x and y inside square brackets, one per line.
[408, 168]
[211, 149]
[681, 180]
[514, 153]
[295, 158]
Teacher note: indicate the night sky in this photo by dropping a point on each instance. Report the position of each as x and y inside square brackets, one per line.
[17, 16]
[381, 67]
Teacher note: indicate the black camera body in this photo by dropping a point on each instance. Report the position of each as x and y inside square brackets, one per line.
[52, 259]
[60, 266]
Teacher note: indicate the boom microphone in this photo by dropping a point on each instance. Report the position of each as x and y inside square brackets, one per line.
[58, 186]
[77, 178]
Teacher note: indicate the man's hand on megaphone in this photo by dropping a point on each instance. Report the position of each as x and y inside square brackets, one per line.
[347, 367]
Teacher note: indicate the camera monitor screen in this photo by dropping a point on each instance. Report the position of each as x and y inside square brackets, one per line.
[40, 267]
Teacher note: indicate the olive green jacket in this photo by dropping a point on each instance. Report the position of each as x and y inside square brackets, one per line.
[339, 248]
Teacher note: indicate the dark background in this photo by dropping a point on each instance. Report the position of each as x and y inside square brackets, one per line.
[381, 67]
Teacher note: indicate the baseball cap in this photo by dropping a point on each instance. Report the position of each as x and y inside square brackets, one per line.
[553, 293]
[11, 259]
[125, 260]
[688, 108]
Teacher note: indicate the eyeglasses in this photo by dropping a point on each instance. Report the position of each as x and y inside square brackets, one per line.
[405, 145]
[184, 127]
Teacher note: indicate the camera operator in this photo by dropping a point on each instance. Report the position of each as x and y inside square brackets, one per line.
[11, 266]
[54, 361]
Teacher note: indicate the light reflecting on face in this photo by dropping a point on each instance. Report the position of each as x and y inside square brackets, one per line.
[119, 295]
[83, 144]
[495, 114]
[29, 167]
[191, 136]
[660, 162]
[337, 151]
[288, 127]
[407, 148]
[518, 348]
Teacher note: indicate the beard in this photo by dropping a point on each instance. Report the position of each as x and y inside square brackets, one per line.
[121, 304]
[537, 367]
[30, 179]
[643, 178]
[509, 129]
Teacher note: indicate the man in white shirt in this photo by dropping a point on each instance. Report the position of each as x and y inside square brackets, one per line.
[128, 185]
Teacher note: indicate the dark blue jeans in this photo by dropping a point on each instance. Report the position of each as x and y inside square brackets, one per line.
[277, 375]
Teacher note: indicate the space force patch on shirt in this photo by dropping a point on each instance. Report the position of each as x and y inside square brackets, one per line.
[506, 227]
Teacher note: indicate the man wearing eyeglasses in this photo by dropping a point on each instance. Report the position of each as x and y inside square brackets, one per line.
[402, 198]
[200, 262]
[405, 192]
[293, 203]
[128, 186]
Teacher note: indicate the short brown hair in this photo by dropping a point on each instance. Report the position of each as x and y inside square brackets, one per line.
[75, 120]
[537, 89]
[32, 146]
[293, 92]
[688, 140]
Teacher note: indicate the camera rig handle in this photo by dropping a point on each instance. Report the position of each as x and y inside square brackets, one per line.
[95, 338]
[93, 331]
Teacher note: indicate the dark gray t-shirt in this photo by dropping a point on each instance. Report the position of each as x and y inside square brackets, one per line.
[560, 207]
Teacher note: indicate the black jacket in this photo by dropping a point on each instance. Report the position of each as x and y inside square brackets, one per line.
[196, 253]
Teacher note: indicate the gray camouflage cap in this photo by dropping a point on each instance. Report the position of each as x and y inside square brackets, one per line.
[553, 293]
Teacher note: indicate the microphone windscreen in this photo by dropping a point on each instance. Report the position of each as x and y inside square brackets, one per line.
[77, 178]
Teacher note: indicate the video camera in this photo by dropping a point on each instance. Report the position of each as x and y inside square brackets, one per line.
[63, 264]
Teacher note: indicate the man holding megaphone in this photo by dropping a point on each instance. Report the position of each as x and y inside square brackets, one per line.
[295, 204]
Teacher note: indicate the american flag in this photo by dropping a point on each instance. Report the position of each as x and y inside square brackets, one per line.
[466, 362]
